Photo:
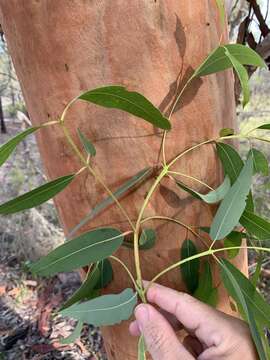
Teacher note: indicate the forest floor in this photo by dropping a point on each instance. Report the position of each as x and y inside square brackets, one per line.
[29, 325]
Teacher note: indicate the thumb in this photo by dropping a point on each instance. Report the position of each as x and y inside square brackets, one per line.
[159, 336]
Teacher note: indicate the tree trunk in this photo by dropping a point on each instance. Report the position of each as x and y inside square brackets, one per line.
[2, 120]
[61, 48]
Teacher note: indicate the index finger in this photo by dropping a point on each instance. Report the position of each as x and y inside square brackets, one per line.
[197, 317]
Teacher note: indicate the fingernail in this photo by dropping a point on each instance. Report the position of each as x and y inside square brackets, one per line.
[142, 316]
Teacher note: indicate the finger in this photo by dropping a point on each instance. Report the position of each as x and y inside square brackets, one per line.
[159, 336]
[197, 317]
[193, 345]
[175, 324]
[134, 329]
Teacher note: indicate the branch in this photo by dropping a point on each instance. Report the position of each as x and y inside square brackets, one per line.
[257, 11]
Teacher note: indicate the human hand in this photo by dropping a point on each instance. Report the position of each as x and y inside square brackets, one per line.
[213, 335]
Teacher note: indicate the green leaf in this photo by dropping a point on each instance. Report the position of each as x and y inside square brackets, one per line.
[123, 190]
[7, 149]
[261, 308]
[88, 146]
[188, 190]
[256, 225]
[231, 160]
[205, 291]
[118, 97]
[147, 239]
[74, 335]
[264, 127]
[242, 75]
[221, 8]
[104, 310]
[256, 334]
[37, 196]
[87, 248]
[251, 305]
[232, 166]
[106, 274]
[141, 349]
[226, 132]
[86, 289]
[190, 269]
[260, 162]
[218, 61]
[231, 240]
[233, 205]
[213, 196]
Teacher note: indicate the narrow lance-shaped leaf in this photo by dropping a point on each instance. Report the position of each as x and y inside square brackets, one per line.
[233, 205]
[74, 335]
[37, 196]
[261, 308]
[128, 185]
[234, 239]
[260, 163]
[88, 248]
[213, 196]
[218, 61]
[226, 132]
[190, 269]
[7, 149]
[86, 289]
[88, 146]
[106, 274]
[256, 225]
[250, 303]
[147, 239]
[232, 166]
[118, 97]
[104, 310]
[242, 75]
[205, 291]
[264, 127]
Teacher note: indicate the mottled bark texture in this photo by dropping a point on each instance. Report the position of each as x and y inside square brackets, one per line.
[61, 48]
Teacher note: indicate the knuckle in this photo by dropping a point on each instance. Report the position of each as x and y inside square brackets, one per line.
[183, 298]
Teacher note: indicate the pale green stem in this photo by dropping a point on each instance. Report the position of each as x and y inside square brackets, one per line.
[179, 96]
[150, 193]
[62, 119]
[138, 224]
[127, 270]
[189, 228]
[192, 178]
[49, 123]
[202, 254]
[163, 147]
[188, 150]
[80, 171]
[169, 118]
[92, 172]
